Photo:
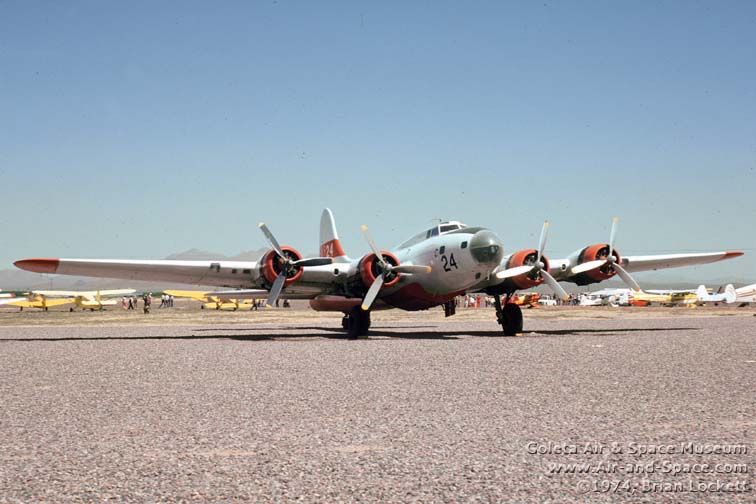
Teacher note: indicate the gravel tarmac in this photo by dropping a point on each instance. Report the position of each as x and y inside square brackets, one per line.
[425, 410]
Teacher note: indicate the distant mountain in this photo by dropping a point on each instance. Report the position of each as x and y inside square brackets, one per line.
[204, 255]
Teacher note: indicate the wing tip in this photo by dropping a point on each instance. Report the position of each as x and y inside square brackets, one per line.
[38, 265]
[733, 253]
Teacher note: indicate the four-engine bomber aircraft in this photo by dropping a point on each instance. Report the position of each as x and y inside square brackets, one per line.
[430, 269]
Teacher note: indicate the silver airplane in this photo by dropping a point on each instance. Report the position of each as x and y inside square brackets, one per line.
[430, 269]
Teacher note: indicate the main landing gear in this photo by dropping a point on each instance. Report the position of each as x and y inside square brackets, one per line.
[356, 322]
[509, 316]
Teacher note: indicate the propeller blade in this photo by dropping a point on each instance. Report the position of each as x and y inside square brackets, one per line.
[612, 234]
[411, 268]
[554, 285]
[372, 293]
[513, 272]
[313, 261]
[275, 290]
[625, 276]
[588, 266]
[271, 239]
[373, 246]
[542, 240]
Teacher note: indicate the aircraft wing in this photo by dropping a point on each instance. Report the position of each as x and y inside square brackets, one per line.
[654, 262]
[315, 280]
[11, 300]
[190, 294]
[24, 303]
[83, 294]
[114, 292]
[58, 294]
[242, 294]
[220, 273]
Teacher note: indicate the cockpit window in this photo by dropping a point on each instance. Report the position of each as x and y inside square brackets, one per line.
[444, 227]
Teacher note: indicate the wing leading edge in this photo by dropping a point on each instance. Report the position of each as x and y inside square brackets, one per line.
[655, 262]
[217, 273]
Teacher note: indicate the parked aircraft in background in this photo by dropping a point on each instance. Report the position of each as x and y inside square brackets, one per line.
[746, 294]
[682, 296]
[529, 299]
[611, 297]
[85, 300]
[11, 299]
[38, 301]
[212, 302]
[429, 269]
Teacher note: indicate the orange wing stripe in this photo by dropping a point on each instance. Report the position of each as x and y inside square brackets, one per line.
[38, 265]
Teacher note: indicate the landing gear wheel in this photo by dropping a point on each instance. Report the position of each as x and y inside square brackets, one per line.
[358, 323]
[509, 316]
[512, 320]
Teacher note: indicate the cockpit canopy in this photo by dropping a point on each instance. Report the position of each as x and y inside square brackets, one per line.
[439, 229]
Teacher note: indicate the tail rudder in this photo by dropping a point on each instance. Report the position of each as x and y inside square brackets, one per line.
[701, 293]
[330, 245]
[729, 294]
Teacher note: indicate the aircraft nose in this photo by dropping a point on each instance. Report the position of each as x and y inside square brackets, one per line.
[486, 247]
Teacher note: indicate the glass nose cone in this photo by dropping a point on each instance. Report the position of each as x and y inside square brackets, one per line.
[486, 247]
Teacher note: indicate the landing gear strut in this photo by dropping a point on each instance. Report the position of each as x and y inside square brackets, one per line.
[356, 322]
[509, 316]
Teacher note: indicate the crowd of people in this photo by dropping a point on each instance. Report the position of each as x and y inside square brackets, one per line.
[132, 302]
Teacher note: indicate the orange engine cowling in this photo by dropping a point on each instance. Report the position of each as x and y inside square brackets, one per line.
[369, 269]
[595, 253]
[272, 265]
[525, 258]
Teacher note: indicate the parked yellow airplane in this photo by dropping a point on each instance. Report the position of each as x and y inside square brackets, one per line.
[215, 302]
[682, 297]
[86, 300]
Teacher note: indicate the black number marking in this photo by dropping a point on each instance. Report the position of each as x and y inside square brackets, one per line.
[449, 262]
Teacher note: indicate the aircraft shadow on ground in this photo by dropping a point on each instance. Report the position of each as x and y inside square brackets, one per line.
[337, 333]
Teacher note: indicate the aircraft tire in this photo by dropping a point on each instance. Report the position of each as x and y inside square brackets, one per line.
[358, 323]
[512, 324]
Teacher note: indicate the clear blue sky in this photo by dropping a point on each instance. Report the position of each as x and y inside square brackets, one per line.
[140, 129]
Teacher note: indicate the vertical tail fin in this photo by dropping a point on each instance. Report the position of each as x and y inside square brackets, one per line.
[701, 293]
[729, 294]
[330, 246]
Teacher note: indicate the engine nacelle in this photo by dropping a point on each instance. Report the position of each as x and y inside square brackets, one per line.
[525, 258]
[271, 265]
[595, 253]
[368, 269]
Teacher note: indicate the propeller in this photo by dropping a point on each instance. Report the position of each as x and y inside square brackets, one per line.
[538, 267]
[387, 270]
[610, 260]
[288, 265]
